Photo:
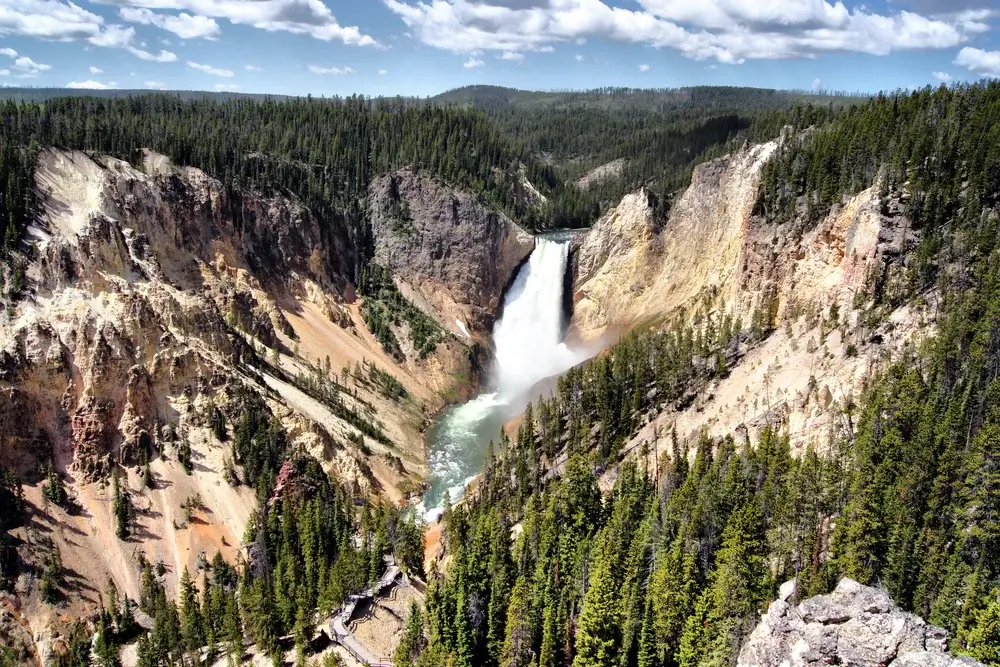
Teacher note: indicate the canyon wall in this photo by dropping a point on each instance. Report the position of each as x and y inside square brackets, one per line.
[712, 257]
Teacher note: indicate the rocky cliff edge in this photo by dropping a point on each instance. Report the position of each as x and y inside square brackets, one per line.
[855, 625]
[452, 254]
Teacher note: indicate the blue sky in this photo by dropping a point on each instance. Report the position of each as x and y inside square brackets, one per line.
[422, 47]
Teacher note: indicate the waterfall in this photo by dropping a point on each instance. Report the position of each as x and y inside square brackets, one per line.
[528, 338]
[529, 348]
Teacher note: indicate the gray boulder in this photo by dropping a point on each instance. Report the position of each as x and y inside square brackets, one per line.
[855, 625]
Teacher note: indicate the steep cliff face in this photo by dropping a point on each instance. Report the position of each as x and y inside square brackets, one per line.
[712, 258]
[157, 300]
[631, 270]
[451, 253]
[855, 625]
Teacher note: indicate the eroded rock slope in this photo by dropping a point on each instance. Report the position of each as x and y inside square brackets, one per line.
[160, 304]
[713, 258]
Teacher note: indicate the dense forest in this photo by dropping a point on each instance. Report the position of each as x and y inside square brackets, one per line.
[674, 567]
[326, 152]
[658, 135]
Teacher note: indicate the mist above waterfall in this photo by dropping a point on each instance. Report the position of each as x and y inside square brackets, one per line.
[528, 349]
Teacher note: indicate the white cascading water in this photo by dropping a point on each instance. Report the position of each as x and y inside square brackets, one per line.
[529, 348]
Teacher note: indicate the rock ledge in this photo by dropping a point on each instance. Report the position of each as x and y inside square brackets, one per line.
[855, 625]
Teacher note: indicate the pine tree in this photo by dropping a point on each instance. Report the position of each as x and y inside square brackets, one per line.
[598, 640]
[518, 642]
[411, 645]
[54, 489]
[648, 649]
[983, 642]
[121, 506]
[191, 622]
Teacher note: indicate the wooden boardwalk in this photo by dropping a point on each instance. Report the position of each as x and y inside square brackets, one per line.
[338, 624]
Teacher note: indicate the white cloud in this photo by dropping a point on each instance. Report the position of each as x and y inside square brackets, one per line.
[23, 67]
[226, 87]
[383, 72]
[728, 31]
[579, 58]
[58, 21]
[161, 57]
[643, 68]
[472, 63]
[817, 85]
[49, 19]
[512, 55]
[208, 69]
[90, 85]
[183, 25]
[941, 76]
[253, 68]
[96, 70]
[299, 17]
[336, 71]
[984, 63]
[155, 84]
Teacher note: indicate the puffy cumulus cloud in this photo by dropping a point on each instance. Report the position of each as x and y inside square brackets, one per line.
[941, 76]
[253, 68]
[183, 25]
[983, 63]
[90, 85]
[49, 19]
[96, 70]
[512, 55]
[23, 67]
[728, 31]
[472, 63]
[644, 68]
[208, 69]
[58, 21]
[300, 17]
[383, 72]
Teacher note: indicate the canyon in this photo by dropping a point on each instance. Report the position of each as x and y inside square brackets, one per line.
[159, 299]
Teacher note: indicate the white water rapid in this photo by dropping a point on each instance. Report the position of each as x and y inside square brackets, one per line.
[529, 348]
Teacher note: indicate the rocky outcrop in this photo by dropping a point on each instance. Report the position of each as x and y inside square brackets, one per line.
[855, 625]
[454, 255]
[634, 268]
[712, 257]
[141, 285]
[601, 173]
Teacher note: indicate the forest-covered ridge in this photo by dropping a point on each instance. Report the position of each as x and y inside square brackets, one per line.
[646, 99]
[656, 136]
[327, 151]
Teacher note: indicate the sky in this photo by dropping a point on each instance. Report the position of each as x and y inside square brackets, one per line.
[424, 47]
